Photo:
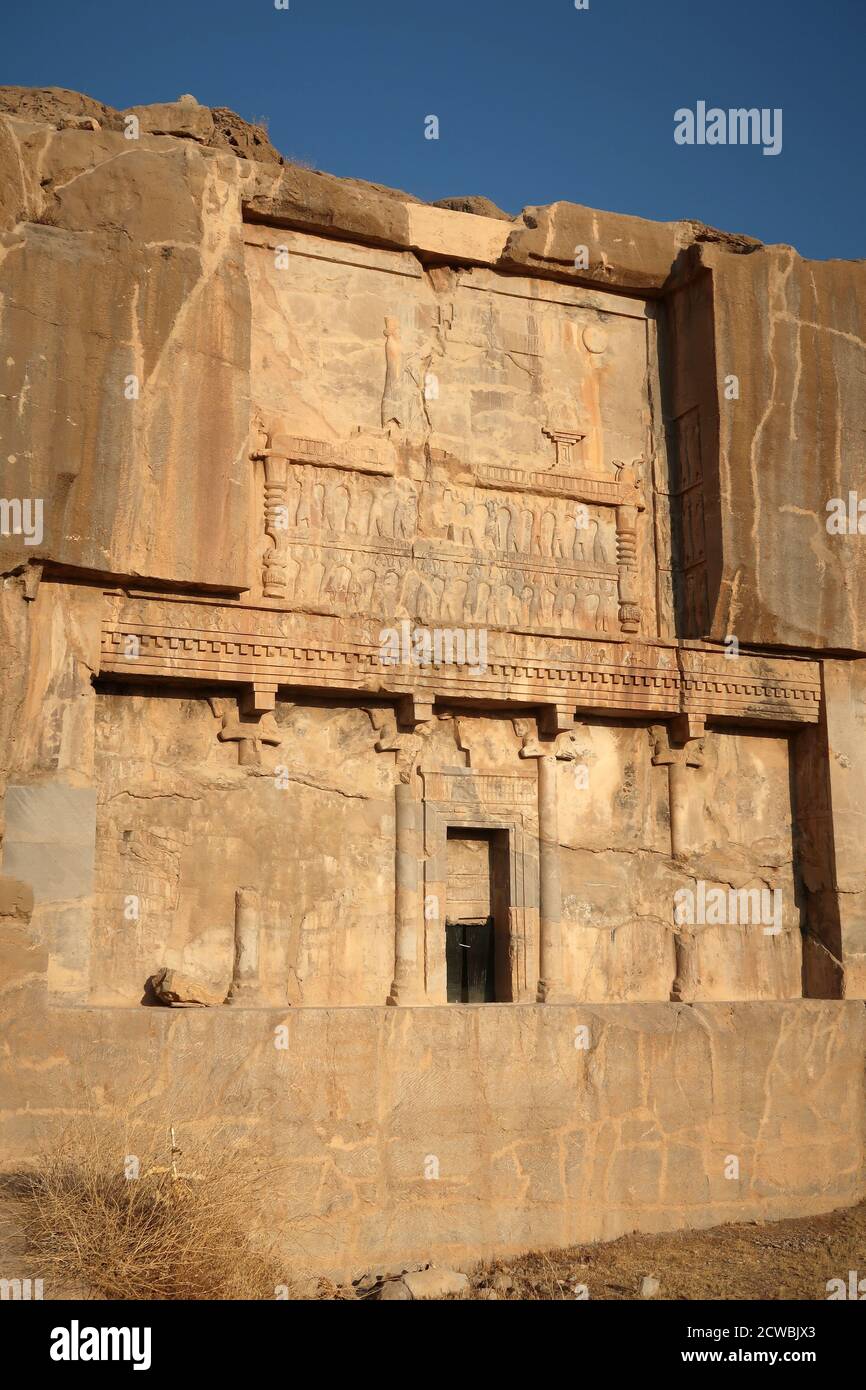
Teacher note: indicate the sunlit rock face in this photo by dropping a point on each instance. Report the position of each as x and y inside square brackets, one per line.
[420, 606]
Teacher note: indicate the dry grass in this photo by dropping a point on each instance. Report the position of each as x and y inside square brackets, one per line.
[47, 218]
[789, 1259]
[189, 1226]
[186, 1227]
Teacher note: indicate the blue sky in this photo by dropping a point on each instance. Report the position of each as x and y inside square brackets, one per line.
[536, 101]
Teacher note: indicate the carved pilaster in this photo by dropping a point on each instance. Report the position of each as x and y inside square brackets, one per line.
[390, 739]
[250, 731]
[276, 523]
[677, 747]
[246, 986]
[407, 986]
[629, 476]
[550, 965]
[626, 560]
[550, 889]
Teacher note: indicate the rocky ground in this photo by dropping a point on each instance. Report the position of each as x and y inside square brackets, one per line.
[768, 1261]
[772, 1260]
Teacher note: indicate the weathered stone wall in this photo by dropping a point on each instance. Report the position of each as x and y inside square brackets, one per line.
[125, 319]
[546, 1126]
[165, 211]
[267, 412]
[180, 826]
[845, 688]
[800, 365]
[620, 880]
[50, 651]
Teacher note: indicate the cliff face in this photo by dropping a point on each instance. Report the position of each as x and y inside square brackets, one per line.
[125, 320]
[198, 336]
[255, 423]
[125, 325]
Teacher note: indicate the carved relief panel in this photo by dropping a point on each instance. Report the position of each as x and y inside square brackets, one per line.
[447, 446]
[343, 542]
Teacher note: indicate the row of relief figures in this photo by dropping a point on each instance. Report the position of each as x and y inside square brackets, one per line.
[306, 502]
[350, 582]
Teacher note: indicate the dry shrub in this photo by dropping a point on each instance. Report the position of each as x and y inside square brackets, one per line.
[187, 1227]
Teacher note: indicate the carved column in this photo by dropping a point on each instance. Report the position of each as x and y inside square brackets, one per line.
[276, 524]
[679, 747]
[407, 986]
[246, 985]
[631, 502]
[563, 748]
[626, 559]
[550, 892]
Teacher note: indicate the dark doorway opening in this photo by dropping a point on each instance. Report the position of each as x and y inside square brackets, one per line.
[477, 954]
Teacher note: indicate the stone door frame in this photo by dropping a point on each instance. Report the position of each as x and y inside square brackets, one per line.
[476, 813]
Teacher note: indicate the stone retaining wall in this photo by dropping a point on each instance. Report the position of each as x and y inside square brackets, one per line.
[457, 1133]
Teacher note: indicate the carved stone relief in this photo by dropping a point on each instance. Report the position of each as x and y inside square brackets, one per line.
[447, 446]
[249, 729]
[347, 542]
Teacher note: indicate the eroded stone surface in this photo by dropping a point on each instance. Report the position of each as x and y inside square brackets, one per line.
[427, 605]
[449, 1134]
